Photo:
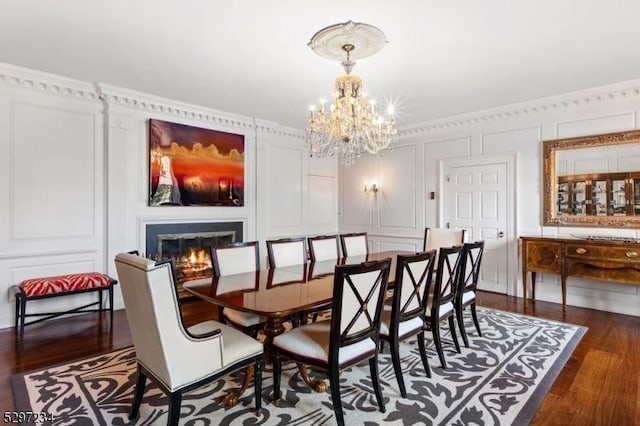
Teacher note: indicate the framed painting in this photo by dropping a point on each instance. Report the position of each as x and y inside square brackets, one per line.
[192, 166]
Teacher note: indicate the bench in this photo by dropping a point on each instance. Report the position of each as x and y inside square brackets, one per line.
[61, 285]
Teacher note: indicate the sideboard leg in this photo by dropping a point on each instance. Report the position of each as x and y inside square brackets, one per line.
[563, 279]
[533, 286]
[524, 285]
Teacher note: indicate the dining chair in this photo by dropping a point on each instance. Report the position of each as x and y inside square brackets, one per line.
[286, 252]
[440, 306]
[176, 358]
[354, 244]
[435, 238]
[323, 247]
[322, 250]
[348, 338]
[404, 317]
[238, 258]
[466, 291]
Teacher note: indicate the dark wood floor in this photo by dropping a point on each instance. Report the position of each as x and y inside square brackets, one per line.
[598, 386]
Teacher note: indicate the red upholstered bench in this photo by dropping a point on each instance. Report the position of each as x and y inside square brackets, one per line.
[61, 285]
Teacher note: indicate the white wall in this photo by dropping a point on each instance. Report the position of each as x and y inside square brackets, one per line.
[396, 218]
[74, 175]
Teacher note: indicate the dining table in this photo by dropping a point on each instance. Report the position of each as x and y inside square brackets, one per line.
[280, 294]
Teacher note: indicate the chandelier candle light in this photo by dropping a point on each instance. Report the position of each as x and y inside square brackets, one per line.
[351, 125]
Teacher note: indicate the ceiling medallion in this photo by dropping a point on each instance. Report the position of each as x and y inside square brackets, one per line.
[351, 125]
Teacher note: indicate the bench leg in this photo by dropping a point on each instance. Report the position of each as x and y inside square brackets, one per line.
[111, 304]
[21, 308]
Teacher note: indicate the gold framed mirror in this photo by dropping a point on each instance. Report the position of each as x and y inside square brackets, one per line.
[592, 181]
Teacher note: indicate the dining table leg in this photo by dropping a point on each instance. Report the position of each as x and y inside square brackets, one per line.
[272, 329]
[233, 397]
[317, 385]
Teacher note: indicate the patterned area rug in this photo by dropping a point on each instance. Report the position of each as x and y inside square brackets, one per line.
[501, 379]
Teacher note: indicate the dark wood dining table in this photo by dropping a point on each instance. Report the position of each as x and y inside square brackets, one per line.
[280, 293]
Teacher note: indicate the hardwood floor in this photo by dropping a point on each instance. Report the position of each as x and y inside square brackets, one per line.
[598, 386]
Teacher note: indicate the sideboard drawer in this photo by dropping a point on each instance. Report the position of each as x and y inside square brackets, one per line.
[626, 254]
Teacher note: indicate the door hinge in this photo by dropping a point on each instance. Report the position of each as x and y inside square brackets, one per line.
[448, 178]
[447, 225]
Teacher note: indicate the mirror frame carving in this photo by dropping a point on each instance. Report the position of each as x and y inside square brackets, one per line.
[550, 215]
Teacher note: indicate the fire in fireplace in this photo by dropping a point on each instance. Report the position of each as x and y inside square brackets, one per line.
[188, 246]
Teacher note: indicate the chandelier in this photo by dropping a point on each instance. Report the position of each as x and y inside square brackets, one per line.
[351, 124]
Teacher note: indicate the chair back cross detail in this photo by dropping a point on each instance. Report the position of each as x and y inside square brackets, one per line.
[471, 265]
[447, 275]
[414, 292]
[360, 295]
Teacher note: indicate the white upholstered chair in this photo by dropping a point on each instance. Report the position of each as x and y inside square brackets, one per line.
[404, 317]
[233, 259]
[323, 251]
[283, 253]
[286, 252]
[348, 338]
[435, 238]
[466, 292]
[176, 358]
[323, 247]
[354, 244]
[440, 306]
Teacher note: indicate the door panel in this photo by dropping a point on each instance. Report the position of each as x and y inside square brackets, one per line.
[475, 199]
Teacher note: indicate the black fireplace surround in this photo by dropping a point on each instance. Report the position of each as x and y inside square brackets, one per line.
[179, 242]
[153, 231]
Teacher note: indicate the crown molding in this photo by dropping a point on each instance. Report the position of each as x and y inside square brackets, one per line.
[131, 99]
[599, 95]
[24, 78]
[277, 130]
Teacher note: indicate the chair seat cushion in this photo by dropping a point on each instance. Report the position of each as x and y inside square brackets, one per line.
[405, 327]
[64, 284]
[236, 345]
[445, 309]
[312, 341]
[468, 296]
[244, 319]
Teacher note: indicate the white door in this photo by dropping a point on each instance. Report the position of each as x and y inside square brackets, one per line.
[476, 198]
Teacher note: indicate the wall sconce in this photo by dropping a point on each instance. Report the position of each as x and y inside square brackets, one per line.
[371, 187]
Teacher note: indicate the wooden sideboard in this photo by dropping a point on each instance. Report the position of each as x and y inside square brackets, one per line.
[595, 258]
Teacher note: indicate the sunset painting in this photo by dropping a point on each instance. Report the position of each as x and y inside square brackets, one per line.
[191, 166]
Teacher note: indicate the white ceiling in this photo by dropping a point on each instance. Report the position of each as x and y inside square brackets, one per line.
[251, 57]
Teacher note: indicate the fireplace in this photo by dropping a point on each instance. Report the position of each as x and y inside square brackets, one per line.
[188, 246]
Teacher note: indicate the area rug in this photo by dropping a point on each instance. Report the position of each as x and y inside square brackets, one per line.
[501, 379]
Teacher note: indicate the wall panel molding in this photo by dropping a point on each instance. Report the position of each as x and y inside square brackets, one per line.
[46, 253]
[40, 197]
[285, 181]
[604, 123]
[396, 201]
